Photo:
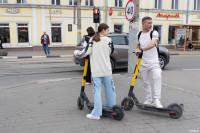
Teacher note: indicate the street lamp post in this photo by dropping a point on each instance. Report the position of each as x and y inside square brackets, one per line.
[78, 21]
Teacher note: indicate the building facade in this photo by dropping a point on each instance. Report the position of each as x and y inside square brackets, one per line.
[168, 12]
[22, 22]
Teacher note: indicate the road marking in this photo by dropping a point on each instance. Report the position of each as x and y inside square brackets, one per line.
[55, 80]
[191, 69]
[182, 89]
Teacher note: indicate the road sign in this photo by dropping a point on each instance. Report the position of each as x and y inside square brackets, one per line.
[130, 10]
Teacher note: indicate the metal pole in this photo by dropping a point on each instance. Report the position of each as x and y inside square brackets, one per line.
[95, 27]
[78, 21]
[187, 12]
[106, 7]
[133, 31]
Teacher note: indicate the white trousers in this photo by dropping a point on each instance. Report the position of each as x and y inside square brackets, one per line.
[156, 71]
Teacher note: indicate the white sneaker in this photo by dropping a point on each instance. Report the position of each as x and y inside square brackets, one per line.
[148, 102]
[90, 116]
[158, 104]
[88, 83]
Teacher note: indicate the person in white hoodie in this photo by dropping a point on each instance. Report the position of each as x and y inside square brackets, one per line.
[99, 48]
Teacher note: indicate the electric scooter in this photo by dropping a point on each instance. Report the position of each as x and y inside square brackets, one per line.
[115, 112]
[174, 110]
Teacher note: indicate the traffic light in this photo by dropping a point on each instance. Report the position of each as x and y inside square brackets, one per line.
[96, 15]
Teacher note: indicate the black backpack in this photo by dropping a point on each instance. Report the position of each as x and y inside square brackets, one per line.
[151, 33]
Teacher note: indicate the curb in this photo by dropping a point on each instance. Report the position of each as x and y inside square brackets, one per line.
[184, 53]
[34, 57]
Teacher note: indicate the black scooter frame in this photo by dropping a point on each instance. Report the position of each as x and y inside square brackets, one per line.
[174, 110]
[115, 112]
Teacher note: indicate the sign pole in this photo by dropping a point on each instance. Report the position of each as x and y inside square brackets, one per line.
[133, 31]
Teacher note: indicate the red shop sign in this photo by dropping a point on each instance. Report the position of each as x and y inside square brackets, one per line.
[168, 15]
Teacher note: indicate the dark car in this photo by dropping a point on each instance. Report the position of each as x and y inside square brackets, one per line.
[119, 58]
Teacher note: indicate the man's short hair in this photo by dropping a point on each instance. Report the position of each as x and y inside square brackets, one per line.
[146, 18]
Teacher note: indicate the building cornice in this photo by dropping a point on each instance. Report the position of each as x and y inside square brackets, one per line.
[168, 11]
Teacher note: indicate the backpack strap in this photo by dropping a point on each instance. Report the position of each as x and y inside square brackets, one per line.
[151, 34]
[157, 46]
[139, 35]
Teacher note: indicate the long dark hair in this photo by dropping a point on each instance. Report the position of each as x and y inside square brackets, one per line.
[90, 31]
[101, 27]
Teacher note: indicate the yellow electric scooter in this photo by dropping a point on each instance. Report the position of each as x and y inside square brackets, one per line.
[115, 112]
[174, 110]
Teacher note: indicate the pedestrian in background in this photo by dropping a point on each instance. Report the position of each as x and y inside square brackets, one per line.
[45, 41]
[91, 33]
[189, 44]
[1, 41]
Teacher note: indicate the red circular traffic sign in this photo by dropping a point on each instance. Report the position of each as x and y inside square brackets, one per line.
[130, 10]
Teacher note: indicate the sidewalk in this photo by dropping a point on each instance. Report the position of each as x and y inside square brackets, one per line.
[69, 54]
[38, 54]
[44, 106]
[181, 52]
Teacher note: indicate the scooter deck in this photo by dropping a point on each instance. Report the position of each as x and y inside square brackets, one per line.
[152, 108]
[104, 108]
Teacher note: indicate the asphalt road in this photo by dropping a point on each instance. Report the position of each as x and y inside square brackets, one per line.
[20, 71]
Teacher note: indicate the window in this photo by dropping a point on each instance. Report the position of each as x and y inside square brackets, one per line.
[21, 1]
[22, 30]
[158, 28]
[55, 2]
[196, 4]
[73, 2]
[5, 33]
[118, 3]
[158, 4]
[118, 40]
[56, 33]
[3, 1]
[171, 35]
[175, 4]
[118, 28]
[89, 2]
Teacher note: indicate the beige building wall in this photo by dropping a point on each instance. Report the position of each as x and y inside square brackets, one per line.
[40, 15]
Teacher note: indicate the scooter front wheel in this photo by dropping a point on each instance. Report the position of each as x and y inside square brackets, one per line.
[118, 113]
[127, 103]
[80, 103]
[176, 111]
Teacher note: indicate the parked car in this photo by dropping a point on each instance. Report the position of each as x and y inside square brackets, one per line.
[119, 58]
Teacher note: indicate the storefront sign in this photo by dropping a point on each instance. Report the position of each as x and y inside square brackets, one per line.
[121, 13]
[56, 11]
[12, 10]
[168, 15]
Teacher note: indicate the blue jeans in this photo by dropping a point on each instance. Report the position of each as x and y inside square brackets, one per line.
[109, 89]
[46, 49]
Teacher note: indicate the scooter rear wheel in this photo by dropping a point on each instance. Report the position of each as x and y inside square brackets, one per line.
[176, 111]
[127, 103]
[119, 113]
[80, 103]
